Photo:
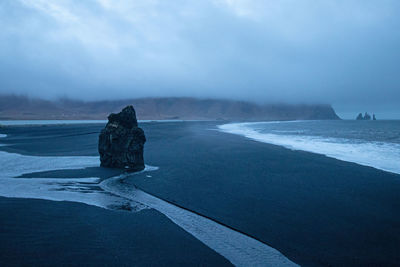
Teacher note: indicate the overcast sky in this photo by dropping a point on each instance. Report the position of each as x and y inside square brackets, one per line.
[341, 52]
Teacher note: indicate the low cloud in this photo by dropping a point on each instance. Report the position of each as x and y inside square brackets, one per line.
[340, 52]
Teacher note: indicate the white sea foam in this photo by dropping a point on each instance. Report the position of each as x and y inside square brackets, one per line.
[380, 155]
[112, 193]
[3, 135]
[15, 164]
[238, 248]
[83, 190]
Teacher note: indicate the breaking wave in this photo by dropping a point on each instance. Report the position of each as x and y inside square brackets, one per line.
[380, 155]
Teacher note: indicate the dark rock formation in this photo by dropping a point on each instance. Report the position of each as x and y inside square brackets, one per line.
[366, 117]
[121, 142]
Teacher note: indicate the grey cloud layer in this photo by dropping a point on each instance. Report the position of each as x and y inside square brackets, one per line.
[340, 52]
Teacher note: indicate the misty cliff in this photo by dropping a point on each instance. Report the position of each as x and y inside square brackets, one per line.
[19, 107]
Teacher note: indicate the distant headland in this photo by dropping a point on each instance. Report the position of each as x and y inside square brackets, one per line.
[164, 108]
[366, 117]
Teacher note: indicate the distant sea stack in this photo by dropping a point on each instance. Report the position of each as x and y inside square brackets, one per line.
[366, 117]
[121, 142]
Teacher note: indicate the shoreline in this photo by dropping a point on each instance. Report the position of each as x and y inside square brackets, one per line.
[263, 190]
[236, 246]
[318, 146]
[174, 245]
[276, 186]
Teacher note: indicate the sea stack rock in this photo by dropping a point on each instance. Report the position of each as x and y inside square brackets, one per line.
[121, 142]
[366, 117]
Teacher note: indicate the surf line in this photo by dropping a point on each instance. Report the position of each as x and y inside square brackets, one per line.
[239, 248]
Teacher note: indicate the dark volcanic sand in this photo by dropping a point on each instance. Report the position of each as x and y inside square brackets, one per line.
[49, 233]
[315, 210]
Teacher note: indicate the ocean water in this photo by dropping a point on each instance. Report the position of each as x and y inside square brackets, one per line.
[369, 143]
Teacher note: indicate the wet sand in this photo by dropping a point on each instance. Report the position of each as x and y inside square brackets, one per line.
[50, 233]
[315, 210]
[37, 232]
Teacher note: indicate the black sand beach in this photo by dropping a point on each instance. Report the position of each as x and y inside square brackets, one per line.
[316, 210]
[51, 233]
[60, 233]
